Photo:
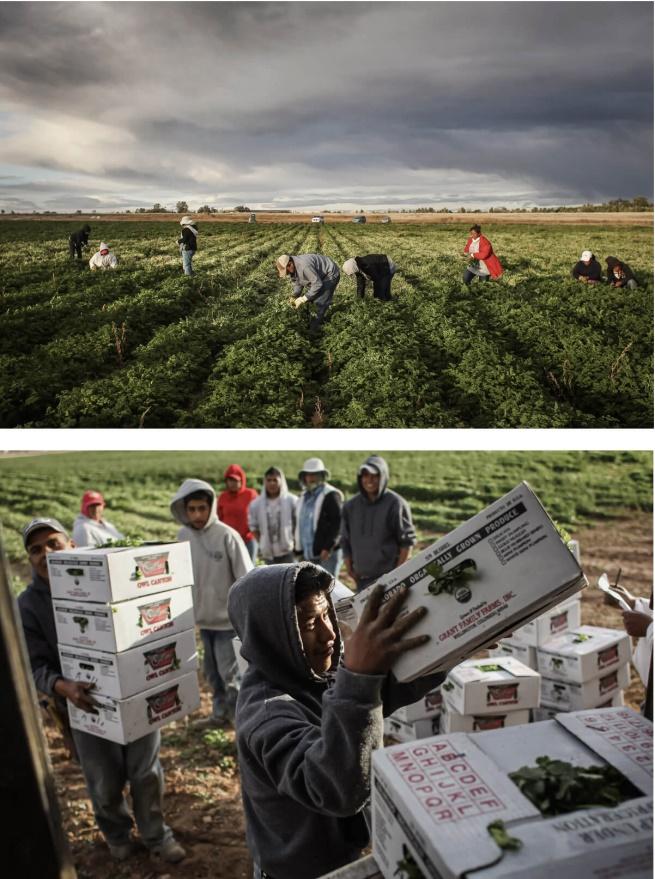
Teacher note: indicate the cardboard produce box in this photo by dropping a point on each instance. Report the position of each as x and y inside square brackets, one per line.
[364, 868]
[427, 707]
[452, 721]
[433, 801]
[125, 720]
[491, 686]
[121, 675]
[546, 712]
[404, 731]
[554, 622]
[119, 573]
[116, 627]
[523, 652]
[496, 572]
[574, 696]
[584, 653]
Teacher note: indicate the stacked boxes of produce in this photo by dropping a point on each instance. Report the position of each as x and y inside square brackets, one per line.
[416, 721]
[570, 797]
[124, 621]
[484, 694]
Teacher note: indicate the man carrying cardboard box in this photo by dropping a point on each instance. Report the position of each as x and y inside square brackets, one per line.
[307, 722]
[107, 766]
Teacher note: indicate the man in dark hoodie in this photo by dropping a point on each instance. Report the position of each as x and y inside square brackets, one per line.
[308, 722]
[619, 274]
[78, 240]
[376, 526]
[587, 269]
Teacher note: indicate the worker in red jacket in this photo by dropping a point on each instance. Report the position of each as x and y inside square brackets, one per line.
[484, 263]
[232, 506]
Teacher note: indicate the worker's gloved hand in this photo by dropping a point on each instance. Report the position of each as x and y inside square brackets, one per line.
[299, 301]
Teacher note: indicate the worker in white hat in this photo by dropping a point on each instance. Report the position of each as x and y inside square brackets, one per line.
[318, 517]
[587, 269]
[316, 272]
[188, 242]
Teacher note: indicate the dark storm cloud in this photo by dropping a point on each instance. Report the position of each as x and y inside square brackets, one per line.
[319, 103]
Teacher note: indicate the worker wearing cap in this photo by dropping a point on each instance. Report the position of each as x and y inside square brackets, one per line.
[188, 242]
[107, 766]
[316, 272]
[90, 528]
[318, 517]
[103, 259]
[377, 533]
[587, 269]
[376, 267]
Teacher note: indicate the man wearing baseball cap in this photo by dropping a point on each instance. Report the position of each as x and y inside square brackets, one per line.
[107, 766]
[318, 517]
[315, 271]
[587, 269]
[90, 528]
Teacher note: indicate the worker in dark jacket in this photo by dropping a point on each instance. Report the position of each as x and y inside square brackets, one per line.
[78, 240]
[309, 719]
[318, 517]
[619, 274]
[587, 269]
[188, 242]
[376, 267]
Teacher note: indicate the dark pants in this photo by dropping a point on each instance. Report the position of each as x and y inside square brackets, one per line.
[323, 301]
[469, 275]
[74, 248]
[381, 288]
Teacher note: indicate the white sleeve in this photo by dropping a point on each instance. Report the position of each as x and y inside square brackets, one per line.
[642, 656]
[642, 605]
[82, 536]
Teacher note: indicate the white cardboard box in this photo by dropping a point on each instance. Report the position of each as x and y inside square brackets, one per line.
[556, 621]
[402, 731]
[427, 707]
[119, 573]
[121, 675]
[452, 721]
[117, 627]
[584, 653]
[125, 720]
[490, 686]
[519, 567]
[546, 712]
[574, 696]
[523, 652]
[434, 800]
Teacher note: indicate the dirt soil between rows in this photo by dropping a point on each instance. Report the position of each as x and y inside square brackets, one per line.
[203, 803]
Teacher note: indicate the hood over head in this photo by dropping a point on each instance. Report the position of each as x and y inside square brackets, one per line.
[189, 486]
[236, 472]
[612, 261]
[284, 488]
[262, 609]
[89, 498]
[374, 461]
[86, 228]
[104, 248]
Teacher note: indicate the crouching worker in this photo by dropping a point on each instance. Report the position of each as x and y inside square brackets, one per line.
[103, 259]
[483, 262]
[376, 267]
[108, 767]
[619, 274]
[318, 273]
[308, 720]
[587, 269]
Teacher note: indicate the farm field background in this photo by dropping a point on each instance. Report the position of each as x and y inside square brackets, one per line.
[145, 346]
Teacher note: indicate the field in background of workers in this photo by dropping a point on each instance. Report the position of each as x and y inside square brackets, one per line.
[146, 346]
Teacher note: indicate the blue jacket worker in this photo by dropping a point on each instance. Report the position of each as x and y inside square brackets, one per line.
[316, 272]
[309, 718]
[107, 766]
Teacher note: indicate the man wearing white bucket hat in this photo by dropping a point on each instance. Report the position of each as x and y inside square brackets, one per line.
[587, 269]
[188, 242]
[376, 267]
[315, 271]
[318, 517]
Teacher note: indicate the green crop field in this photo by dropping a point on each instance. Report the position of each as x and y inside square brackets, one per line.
[145, 346]
[443, 488]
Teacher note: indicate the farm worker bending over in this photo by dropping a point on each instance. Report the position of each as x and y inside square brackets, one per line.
[90, 529]
[377, 533]
[103, 259]
[78, 240]
[309, 719]
[619, 274]
[484, 263]
[234, 503]
[107, 766]
[218, 558]
[272, 519]
[318, 273]
[318, 517]
[587, 269]
[376, 267]
[188, 242]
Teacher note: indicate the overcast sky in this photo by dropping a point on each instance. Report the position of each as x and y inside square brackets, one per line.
[316, 105]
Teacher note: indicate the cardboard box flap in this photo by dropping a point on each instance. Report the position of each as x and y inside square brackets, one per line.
[620, 736]
[582, 641]
[492, 669]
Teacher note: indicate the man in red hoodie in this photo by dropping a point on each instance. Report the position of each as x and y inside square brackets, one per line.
[233, 503]
[484, 262]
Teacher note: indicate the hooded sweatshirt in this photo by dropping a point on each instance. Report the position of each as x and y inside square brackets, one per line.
[98, 261]
[188, 239]
[372, 532]
[312, 270]
[233, 506]
[618, 272]
[89, 532]
[592, 270]
[218, 557]
[37, 616]
[263, 515]
[304, 740]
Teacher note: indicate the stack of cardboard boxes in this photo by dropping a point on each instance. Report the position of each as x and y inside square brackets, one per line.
[124, 620]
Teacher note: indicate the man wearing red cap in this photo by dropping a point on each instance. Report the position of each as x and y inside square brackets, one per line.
[233, 503]
[90, 529]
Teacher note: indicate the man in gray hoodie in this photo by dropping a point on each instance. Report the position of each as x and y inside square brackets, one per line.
[376, 526]
[318, 273]
[306, 721]
[219, 557]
